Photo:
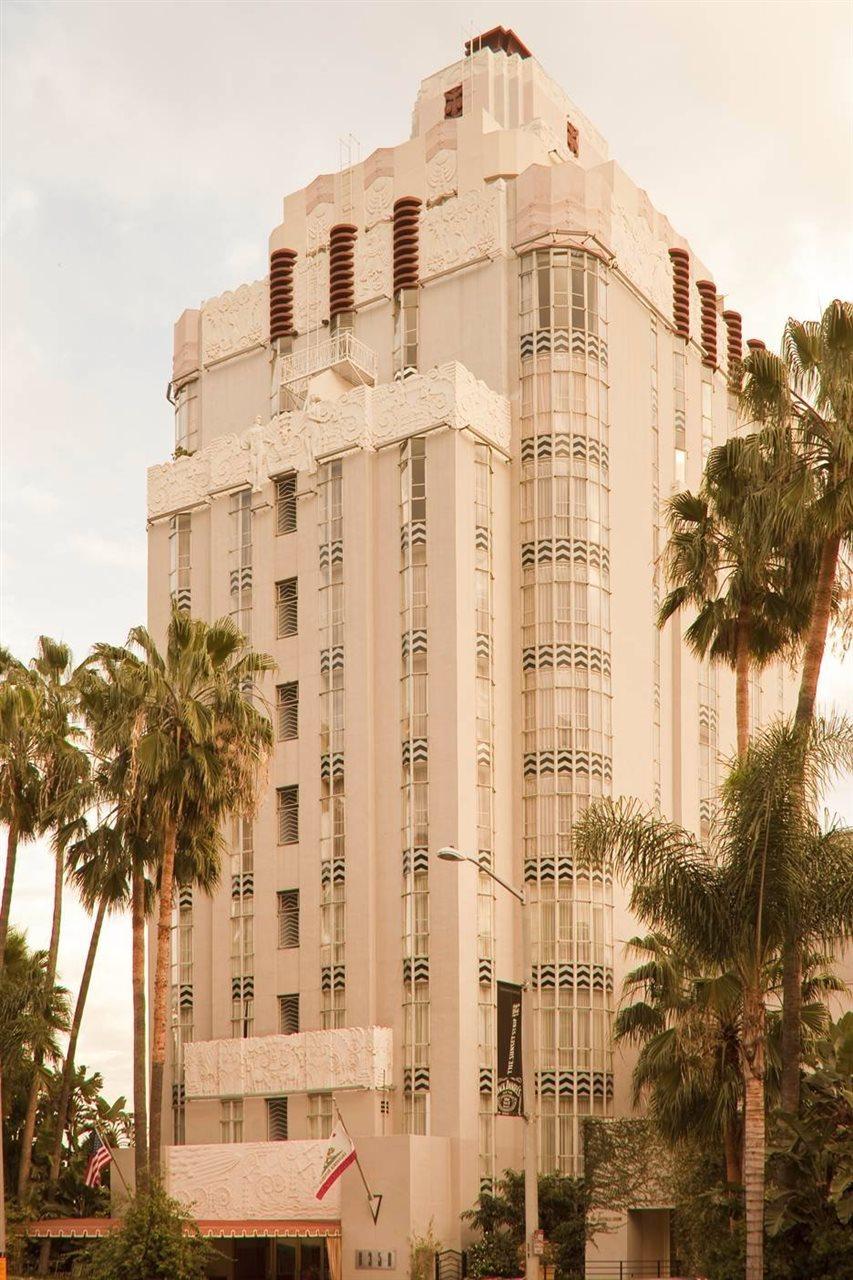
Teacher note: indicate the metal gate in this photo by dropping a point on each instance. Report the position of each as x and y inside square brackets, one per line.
[451, 1264]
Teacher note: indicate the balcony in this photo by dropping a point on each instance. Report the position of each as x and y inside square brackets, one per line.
[344, 354]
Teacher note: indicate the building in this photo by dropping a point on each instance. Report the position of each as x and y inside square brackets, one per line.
[423, 465]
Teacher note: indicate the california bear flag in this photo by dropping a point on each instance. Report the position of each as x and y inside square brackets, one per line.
[340, 1154]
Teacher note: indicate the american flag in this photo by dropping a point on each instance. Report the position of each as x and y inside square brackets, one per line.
[98, 1160]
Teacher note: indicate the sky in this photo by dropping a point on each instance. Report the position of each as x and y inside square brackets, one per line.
[146, 149]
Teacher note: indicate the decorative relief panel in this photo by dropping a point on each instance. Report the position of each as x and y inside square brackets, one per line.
[373, 263]
[641, 254]
[254, 1180]
[317, 227]
[234, 321]
[308, 1062]
[441, 176]
[364, 418]
[378, 201]
[461, 230]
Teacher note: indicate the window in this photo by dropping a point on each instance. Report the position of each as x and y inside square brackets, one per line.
[288, 1014]
[241, 560]
[285, 504]
[286, 608]
[319, 1115]
[415, 1112]
[180, 534]
[453, 103]
[332, 923]
[332, 1008]
[287, 711]
[276, 1119]
[288, 918]
[231, 1120]
[186, 417]
[406, 333]
[288, 815]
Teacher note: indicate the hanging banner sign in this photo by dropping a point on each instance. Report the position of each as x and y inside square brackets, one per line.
[510, 1099]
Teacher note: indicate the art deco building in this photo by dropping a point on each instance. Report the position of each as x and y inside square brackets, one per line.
[423, 463]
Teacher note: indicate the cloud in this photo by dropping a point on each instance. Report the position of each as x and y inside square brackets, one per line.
[121, 553]
[37, 499]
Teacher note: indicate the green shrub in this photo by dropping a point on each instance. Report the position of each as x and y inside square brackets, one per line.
[495, 1255]
[158, 1240]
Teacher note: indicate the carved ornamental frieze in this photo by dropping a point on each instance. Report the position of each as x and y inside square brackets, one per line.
[365, 418]
[252, 1180]
[308, 1062]
[462, 229]
[234, 322]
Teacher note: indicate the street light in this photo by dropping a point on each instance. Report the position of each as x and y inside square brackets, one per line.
[531, 1185]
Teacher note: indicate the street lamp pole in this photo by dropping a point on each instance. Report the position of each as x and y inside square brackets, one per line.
[531, 1175]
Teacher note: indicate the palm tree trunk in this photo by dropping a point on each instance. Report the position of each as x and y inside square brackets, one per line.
[792, 955]
[8, 882]
[49, 980]
[731, 1145]
[742, 680]
[818, 629]
[161, 998]
[753, 1132]
[68, 1071]
[140, 1109]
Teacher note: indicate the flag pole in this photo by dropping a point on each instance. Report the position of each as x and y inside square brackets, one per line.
[374, 1198]
[113, 1160]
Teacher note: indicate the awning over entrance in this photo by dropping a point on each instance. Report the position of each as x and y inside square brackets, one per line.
[221, 1229]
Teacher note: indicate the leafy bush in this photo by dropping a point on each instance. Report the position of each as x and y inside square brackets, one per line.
[564, 1216]
[495, 1255]
[158, 1240]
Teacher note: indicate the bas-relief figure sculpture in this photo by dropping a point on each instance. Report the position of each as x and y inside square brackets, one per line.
[364, 418]
[462, 229]
[253, 1180]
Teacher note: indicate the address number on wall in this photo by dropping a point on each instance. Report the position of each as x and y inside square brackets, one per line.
[375, 1259]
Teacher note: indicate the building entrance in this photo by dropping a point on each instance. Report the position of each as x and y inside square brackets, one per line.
[290, 1259]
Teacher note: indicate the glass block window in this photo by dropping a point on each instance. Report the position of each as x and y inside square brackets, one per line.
[287, 711]
[288, 1014]
[288, 918]
[285, 504]
[231, 1120]
[276, 1119]
[287, 801]
[319, 1115]
[286, 608]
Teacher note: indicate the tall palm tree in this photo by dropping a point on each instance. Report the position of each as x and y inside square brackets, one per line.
[752, 601]
[20, 780]
[802, 402]
[64, 768]
[200, 746]
[729, 906]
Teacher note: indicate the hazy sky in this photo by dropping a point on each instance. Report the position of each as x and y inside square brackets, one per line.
[145, 151]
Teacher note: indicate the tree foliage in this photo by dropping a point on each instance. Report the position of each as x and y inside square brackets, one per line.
[157, 1240]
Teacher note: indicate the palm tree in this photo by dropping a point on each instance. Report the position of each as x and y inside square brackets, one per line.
[99, 866]
[687, 1022]
[64, 769]
[802, 401]
[20, 781]
[729, 907]
[751, 600]
[197, 744]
